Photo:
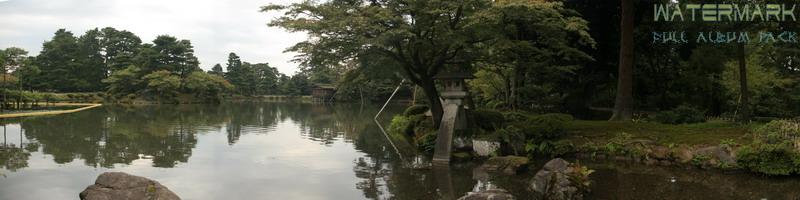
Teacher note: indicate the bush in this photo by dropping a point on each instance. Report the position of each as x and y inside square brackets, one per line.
[427, 142]
[487, 119]
[537, 134]
[777, 131]
[401, 125]
[773, 151]
[547, 126]
[415, 110]
[681, 115]
[771, 159]
[515, 116]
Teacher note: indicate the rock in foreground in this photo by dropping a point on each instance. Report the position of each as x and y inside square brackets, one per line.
[122, 186]
[560, 180]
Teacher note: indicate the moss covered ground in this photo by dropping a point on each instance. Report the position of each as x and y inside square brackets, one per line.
[711, 132]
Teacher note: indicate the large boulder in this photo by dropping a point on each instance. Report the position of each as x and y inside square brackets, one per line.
[683, 154]
[485, 148]
[122, 186]
[660, 152]
[553, 181]
[717, 155]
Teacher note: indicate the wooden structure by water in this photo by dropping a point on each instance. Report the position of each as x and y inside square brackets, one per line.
[323, 93]
[55, 112]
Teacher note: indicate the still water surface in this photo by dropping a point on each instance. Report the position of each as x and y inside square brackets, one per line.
[291, 151]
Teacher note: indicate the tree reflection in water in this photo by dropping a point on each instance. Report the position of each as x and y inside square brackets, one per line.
[167, 135]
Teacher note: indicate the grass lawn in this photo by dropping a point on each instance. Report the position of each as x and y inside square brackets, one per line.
[711, 132]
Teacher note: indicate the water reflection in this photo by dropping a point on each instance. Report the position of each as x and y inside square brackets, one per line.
[290, 151]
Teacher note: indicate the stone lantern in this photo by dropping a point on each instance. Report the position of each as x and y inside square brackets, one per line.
[454, 117]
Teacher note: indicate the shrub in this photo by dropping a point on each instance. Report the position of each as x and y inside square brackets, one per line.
[415, 110]
[427, 143]
[514, 116]
[773, 151]
[401, 125]
[681, 115]
[777, 131]
[547, 126]
[487, 119]
[771, 159]
[537, 134]
[551, 148]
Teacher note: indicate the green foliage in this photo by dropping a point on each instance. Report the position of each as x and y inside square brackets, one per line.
[550, 147]
[771, 159]
[547, 126]
[578, 175]
[415, 110]
[416, 127]
[515, 116]
[163, 83]
[427, 143]
[770, 91]
[401, 124]
[773, 152]
[616, 145]
[126, 81]
[538, 134]
[699, 160]
[175, 56]
[777, 131]
[488, 120]
[537, 48]
[207, 86]
[683, 114]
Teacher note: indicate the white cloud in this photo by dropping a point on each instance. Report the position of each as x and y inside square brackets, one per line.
[214, 27]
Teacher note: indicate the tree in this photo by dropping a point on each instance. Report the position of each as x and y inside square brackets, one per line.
[10, 60]
[58, 62]
[235, 74]
[120, 48]
[217, 70]
[28, 73]
[92, 68]
[163, 83]
[266, 78]
[176, 56]
[147, 59]
[423, 36]
[207, 86]
[126, 81]
[534, 57]
[623, 105]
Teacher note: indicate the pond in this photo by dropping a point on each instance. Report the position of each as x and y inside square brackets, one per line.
[292, 151]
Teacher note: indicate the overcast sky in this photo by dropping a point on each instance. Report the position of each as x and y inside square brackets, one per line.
[215, 27]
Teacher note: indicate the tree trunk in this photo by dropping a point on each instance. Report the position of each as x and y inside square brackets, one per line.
[745, 103]
[623, 106]
[429, 87]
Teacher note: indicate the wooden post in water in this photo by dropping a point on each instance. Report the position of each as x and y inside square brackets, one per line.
[453, 118]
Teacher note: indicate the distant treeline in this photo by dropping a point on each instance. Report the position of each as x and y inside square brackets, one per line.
[119, 63]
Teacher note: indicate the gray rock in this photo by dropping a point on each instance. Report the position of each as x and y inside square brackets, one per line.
[506, 164]
[660, 152]
[718, 154]
[491, 194]
[122, 186]
[683, 155]
[462, 143]
[552, 182]
[484, 147]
